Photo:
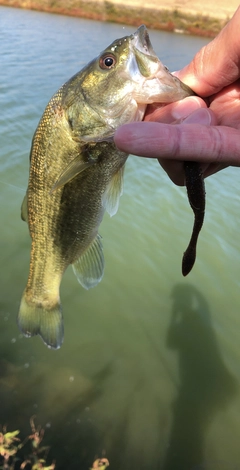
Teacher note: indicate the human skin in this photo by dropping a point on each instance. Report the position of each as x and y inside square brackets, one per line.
[189, 129]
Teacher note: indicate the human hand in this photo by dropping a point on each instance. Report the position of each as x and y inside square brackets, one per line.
[210, 136]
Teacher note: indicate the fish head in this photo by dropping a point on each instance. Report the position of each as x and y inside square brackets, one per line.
[117, 86]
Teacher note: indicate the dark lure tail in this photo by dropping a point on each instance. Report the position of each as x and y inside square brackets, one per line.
[196, 196]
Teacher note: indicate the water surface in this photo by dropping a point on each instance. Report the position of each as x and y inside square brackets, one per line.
[149, 370]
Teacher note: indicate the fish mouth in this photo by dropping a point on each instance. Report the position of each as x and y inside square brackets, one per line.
[141, 41]
[145, 57]
[153, 81]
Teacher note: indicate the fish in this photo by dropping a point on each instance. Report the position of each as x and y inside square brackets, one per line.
[76, 172]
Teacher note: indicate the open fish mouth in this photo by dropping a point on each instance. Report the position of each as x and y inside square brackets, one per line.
[141, 41]
[143, 59]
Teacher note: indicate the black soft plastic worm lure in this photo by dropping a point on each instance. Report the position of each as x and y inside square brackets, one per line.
[196, 196]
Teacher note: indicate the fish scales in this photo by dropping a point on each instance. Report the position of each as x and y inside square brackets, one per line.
[73, 216]
[76, 172]
[81, 213]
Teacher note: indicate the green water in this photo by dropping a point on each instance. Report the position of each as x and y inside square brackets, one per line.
[149, 371]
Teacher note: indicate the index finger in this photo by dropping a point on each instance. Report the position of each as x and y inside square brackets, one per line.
[192, 142]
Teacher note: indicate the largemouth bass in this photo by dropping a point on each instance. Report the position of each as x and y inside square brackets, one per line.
[76, 172]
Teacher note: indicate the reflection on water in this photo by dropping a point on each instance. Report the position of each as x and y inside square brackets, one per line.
[205, 385]
[148, 374]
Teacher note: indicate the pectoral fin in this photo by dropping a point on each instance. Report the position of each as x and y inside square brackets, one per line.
[24, 209]
[75, 167]
[111, 196]
[89, 266]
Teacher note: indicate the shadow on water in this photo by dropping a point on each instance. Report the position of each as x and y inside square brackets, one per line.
[205, 387]
[123, 414]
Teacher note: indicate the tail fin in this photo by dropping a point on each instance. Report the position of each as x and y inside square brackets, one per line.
[36, 320]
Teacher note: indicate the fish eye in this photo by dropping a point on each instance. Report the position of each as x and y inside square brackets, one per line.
[107, 61]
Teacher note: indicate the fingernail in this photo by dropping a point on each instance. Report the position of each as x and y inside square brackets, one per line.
[185, 107]
[200, 116]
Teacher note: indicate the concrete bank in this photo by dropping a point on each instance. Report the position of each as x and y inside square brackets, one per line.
[182, 16]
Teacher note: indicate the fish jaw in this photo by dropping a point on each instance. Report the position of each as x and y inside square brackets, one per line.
[142, 41]
[157, 84]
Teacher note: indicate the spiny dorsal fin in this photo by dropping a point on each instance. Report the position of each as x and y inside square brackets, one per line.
[75, 167]
[111, 196]
[89, 266]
